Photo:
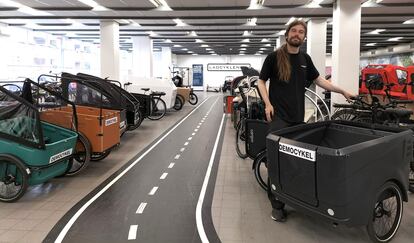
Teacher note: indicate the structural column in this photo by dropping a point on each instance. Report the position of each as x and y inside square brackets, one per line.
[142, 56]
[166, 60]
[316, 45]
[280, 41]
[345, 46]
[110, 50]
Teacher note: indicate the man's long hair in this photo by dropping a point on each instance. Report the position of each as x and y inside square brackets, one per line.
[282, 54]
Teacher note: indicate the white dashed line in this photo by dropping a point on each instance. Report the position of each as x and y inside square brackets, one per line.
[141, 208]
[163, 176]
[171, 165]
[177, 156]
[182, 149]
[195, 130]
[192, 134]
[132, 235]
[186, 143]
[190, 138]
[198, 126]
[153, 190]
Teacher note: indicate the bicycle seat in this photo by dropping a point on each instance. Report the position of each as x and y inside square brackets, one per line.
[158, 93]
[145, 89]
[399, 112]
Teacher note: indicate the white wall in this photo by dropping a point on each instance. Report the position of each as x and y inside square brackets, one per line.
[216, 78]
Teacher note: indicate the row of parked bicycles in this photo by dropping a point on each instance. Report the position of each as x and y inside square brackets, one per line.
[57, 125]
[367, 112]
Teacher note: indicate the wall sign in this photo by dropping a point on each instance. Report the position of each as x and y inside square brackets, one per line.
[197, 74]
[226, 66]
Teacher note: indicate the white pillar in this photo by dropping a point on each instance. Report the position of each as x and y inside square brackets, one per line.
[316, 46]
[110, 50]
[345, 46]
[280, 41]
[4, 46]
[166, 60]
[142, 56]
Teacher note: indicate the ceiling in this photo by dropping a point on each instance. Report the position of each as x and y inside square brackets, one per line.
[219, 25]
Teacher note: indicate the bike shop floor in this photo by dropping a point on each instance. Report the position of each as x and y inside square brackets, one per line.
[240, 210]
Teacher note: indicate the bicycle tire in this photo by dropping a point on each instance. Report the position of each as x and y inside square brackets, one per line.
[179, 102]
[80, 159]
[17, 177]
[193, 99]
[346, 114]
[158, 108]
[259, 165]
[241, 130]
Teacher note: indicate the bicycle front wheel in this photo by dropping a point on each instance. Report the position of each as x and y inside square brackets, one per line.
[158, 108]
[241, 139]
[193, 99]
[260, 170]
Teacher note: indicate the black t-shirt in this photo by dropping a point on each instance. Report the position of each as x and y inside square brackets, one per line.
[288, 98]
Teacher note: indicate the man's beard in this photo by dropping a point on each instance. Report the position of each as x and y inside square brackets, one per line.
[296, 43]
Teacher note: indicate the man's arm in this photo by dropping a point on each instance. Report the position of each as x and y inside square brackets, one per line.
[261, 84]
[325, 84]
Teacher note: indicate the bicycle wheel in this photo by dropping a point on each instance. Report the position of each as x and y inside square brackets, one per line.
[193, 99]
[411, 180]
[158, 108]
[101, 156]
[241, 139]
[13, 178]
[260, 170]
[345, 114]
[179, 102]
[138, 119]
[81, 157]
[386, 214]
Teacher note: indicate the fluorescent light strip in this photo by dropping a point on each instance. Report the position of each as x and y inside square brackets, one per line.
[179, 22]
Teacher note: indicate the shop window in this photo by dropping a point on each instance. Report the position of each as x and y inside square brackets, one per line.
[401, 76]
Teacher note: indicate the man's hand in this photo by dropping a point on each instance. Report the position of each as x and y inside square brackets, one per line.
[269, 112]
[348, 96]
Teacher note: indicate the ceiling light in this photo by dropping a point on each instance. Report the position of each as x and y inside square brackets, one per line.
[204, 45]
[268, 45]
[133, 23]
[209, 49]
[214, 54]
[371, 44]
[265, 40]
[242, 49]
[177, 45]
[282, 32]
[199, 41]
[99, 8]
[161, 4]
[184, 49]
[194, 54]
[168, 41]
[151, 33]
[371, 3]
[395, 39]
[247, 33]
[257, 54]
[241, 54]
[256, 4]
[375, 32]
[244, 45]
[245, 40]
[410, 21]
[264, 49]
[251, 22]
[192, 33]
[179, 22]
[95, 6]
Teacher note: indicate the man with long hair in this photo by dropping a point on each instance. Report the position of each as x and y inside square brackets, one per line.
[289, 71]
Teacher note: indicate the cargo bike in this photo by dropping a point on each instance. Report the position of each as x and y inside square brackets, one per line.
[90, 93]
[31, 151]
[126, 100]
[345, 172]
[99, 128]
